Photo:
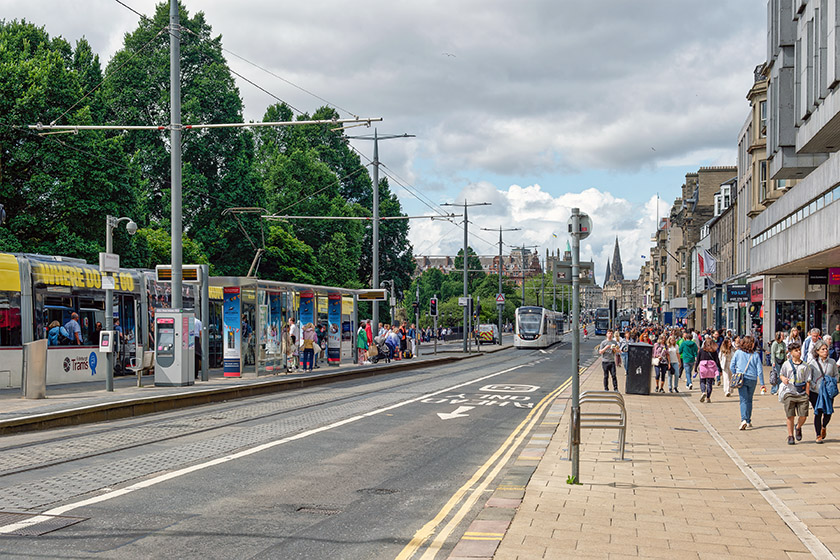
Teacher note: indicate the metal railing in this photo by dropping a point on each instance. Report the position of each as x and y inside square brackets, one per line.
[604, 419]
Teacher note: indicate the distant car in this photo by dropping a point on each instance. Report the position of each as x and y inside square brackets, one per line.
[488, 333]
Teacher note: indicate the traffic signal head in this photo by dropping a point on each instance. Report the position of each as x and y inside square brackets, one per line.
[433, 310]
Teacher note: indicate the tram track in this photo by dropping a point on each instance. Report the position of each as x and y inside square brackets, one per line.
[89, 443]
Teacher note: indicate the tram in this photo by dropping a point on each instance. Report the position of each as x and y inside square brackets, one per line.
[36, 290]
[537, 327]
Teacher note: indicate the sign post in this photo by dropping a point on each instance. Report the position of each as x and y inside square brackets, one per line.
[580, 226]
[500, 304]
[433, 311]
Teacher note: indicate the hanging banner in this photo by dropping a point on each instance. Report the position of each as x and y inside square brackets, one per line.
[232, 333]
[757, 291]
[307, 308]
[834, 276]
[334, 329]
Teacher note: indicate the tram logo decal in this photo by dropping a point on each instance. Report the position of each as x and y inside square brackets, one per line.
[80, 364]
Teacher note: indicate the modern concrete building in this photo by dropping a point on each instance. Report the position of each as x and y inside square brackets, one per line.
[795, 245]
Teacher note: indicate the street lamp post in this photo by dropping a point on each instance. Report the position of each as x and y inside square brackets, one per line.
[110, 223]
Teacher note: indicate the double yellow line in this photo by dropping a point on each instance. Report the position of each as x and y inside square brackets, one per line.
[472, 494]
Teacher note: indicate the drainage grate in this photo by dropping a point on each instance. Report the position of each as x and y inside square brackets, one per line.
[33, 525]
[318, 510]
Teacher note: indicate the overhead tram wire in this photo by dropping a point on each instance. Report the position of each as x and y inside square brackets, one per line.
[126, 6]
[111, 74]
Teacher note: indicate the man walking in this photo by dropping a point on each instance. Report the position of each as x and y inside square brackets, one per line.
[608, 349]
[688, 350]
[74, 331]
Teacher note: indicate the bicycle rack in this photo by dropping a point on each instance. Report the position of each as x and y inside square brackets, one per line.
[604, 419]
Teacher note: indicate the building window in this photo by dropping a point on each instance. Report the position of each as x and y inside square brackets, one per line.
[762, 180]
[762, 111]
[682, 260]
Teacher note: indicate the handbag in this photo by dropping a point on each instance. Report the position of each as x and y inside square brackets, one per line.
[738, 376]
[655, 362]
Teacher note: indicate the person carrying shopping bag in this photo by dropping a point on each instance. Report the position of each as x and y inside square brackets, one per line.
[795, 378]
[708, 366]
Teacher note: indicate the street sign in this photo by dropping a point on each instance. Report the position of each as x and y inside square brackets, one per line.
[464, 301]
[585, 226]
[109, 262]
[373, 295]
[500, 299]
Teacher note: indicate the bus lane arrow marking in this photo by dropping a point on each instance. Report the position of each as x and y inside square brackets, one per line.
[458, 413]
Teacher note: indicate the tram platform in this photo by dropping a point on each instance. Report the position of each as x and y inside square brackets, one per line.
[80, 403]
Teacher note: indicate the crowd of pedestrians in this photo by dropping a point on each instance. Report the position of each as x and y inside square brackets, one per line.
[803, 375]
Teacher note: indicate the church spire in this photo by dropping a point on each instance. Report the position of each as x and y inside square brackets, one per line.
[617, 271]
[607, 275]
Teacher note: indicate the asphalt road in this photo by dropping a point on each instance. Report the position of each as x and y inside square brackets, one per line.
[348, 470]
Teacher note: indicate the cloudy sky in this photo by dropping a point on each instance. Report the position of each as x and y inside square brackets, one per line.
[537, 106]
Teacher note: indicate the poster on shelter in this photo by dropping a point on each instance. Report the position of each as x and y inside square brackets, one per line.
[334, 329]
[307, 308]
[232, 334]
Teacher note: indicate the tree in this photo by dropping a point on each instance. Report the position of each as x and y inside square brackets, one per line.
[57, 190]
[217, 163]
[475, 273]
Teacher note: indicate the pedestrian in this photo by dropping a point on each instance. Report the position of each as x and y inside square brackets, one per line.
[673, 365]
[624, 348]
[835, 339]
[52, 334]
[661, 363]
[309, 340]
[361, 345]
[74, 331]
[607, 349]
[287, 347]
[830, 343]
[793, 393]
[369, 331]
[813, 337]
[688, 352]
[778, 353]
[392, 341]
[708, 366]
[322, 343]
[822, 390]
[746, 361]
[725, 354]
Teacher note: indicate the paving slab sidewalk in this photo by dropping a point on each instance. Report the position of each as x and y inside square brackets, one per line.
[692, 486]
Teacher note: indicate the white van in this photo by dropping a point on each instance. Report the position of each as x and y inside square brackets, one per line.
[488, 334]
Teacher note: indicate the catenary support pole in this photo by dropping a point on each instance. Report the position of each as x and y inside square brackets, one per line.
[466, 277]
[175, 147]
[375, 279]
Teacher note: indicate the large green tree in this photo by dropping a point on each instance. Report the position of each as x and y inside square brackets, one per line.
[217, 163]
[56, 189]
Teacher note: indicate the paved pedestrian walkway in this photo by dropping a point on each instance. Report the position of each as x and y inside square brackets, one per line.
[692, 486]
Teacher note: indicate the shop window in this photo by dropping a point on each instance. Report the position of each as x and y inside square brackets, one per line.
[790, 314]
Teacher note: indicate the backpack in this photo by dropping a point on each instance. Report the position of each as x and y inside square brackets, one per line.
[64, 336]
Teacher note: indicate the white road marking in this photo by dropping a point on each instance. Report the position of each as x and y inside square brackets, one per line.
[458, 413]
[61, 510]
[815, 545]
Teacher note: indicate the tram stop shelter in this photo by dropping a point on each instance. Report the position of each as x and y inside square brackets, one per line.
[252, 313]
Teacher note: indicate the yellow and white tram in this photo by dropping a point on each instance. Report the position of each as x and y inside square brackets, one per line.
[537, 327]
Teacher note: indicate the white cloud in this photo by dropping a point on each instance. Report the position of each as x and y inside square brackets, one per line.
[540, 214]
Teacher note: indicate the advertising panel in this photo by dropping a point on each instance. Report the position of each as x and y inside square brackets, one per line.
[232, 333]
[737, 293]
[834, 276]
[307, 308]
[757, 291]
[334, 329]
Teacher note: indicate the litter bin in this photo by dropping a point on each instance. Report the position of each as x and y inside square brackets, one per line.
[639, 357]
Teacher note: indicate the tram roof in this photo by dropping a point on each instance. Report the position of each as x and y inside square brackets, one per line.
[273, 285]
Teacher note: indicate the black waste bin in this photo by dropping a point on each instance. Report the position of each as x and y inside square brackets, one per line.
[639, 357]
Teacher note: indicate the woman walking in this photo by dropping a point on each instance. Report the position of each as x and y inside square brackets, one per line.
[660, 357]
[673, 365]
[746, 362]
[778, 352]
[708, 365]
[822, 368]
[725, 355]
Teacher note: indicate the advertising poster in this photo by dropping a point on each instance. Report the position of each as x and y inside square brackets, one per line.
[231, 342]
[334, 329]
[307, 308]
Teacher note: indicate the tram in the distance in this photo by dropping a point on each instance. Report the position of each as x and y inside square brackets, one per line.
[537, 327]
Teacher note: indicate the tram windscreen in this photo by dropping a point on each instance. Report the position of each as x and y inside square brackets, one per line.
[530, 322]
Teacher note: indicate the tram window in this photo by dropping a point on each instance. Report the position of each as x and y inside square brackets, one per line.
[91, 303]
[58, 301]
[10, 333]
